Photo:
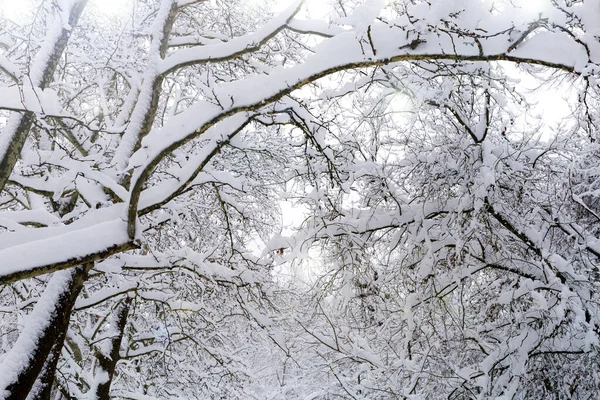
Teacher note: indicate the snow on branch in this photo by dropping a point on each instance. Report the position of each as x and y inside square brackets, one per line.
[64, 250]
[339, 53]
[233, 48]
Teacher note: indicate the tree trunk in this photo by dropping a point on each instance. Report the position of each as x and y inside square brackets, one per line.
[42, 389]
[19, 125]
[108, 362]
[39, 344]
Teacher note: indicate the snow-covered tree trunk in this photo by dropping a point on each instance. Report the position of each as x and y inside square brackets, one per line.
[40, 75]
[108, 355]
[144, 112]
[43, 335]
[44, 385]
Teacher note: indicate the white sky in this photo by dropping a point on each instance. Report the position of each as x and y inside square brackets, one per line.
[315, 8]
[14, 9]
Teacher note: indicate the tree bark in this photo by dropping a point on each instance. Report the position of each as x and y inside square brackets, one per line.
[42, 389]
[19, 125]
[39, 344]
[149, 96]
[108, 362]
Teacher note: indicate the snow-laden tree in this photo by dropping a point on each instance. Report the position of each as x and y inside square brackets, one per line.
[142, 162]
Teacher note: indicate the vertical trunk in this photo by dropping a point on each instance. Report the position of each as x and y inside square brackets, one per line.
[42, 389]
[39, 344]
[17, 129]
[107, 361]
[144, 112]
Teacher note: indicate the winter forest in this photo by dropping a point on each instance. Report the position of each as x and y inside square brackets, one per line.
[306, 200]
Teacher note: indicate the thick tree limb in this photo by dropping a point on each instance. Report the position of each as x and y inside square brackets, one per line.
[19, 126]
[48, 321]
